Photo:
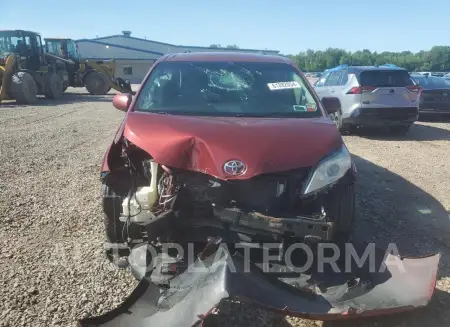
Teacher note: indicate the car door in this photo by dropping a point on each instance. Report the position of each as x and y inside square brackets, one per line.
[337, 82]
[319, 86]
[331, 83]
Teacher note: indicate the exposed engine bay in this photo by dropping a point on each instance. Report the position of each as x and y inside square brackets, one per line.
[157, 202]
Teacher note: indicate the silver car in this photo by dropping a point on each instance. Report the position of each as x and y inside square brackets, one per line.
[376, 96]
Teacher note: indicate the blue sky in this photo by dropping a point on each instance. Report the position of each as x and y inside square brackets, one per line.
[289, 26]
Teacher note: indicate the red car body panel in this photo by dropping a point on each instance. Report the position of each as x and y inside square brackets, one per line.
[204, 144]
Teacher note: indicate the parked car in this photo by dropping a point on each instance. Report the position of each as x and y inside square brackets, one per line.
[435, 96]
[376, 96]
[239, 142]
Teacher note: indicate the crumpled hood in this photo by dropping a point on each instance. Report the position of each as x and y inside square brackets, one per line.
[204, 144]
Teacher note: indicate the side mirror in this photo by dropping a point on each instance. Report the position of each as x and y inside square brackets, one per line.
[122, 101]
[331, 104]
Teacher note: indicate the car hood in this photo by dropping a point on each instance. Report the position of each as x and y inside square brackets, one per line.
[204, 144]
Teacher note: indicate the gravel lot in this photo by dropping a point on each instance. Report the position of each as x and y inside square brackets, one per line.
[52, 268]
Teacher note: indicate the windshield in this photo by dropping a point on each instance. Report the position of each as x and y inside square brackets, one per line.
[72, 50]
[432, 82]
[8, 42]
[385, 78]
[227, 89]
[53, 47]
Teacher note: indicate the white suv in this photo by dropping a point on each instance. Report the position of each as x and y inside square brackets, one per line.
[376, 96]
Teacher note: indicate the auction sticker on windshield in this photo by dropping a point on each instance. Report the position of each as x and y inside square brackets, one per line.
[283, 85]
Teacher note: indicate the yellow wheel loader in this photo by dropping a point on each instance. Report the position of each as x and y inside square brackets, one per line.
[96, 76]
[24, 70]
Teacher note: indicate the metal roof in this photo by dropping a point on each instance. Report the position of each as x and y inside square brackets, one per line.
[100, 39]
[19, 31]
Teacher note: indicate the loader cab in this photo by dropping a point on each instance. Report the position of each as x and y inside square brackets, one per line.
[26, 45]
[65, 48]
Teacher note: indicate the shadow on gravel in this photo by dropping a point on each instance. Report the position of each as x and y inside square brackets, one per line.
[417, 132]
[67, 98]
[392, 210]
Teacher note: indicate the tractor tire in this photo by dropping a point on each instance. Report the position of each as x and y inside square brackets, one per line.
[96, 83]
[54, 86]
[23, 88]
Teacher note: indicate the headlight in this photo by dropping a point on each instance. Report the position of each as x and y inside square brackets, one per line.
[329, 171]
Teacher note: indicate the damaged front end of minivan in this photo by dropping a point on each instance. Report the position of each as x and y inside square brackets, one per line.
[186, 183]
[181, 190]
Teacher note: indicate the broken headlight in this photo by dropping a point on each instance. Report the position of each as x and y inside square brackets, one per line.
[329, 171]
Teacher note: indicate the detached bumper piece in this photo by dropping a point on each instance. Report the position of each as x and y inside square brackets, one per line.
[188, 298]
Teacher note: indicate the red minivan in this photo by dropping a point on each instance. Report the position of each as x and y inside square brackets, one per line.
[234, 140]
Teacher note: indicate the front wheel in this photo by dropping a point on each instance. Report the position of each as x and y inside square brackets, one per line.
[54, 86]
[96, 83]
[23, 88]
[342, 211]
[341, 126]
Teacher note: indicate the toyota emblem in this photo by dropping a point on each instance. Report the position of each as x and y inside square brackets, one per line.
[234, 168]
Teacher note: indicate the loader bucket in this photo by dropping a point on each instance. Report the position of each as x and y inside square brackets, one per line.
[191, 296]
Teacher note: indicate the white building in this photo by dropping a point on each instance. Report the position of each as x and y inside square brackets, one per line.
[134, 56]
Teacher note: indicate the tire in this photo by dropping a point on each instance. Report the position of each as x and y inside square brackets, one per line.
[342, 212]
[341, 126]
[400, 130]
[111, 203]
[23, 88]
[96, 83]
[54, 86]
[115, 230]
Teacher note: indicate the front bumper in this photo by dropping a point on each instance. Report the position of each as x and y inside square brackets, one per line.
[254, 223]
[437, 110]
[329, 295]
[378, 117]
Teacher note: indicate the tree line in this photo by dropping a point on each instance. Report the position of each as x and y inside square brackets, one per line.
[229, 46]
[437, 59]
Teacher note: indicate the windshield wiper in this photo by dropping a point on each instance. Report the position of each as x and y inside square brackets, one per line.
[275, 114]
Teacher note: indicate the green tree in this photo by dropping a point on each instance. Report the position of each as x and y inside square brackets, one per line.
[436, 59]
